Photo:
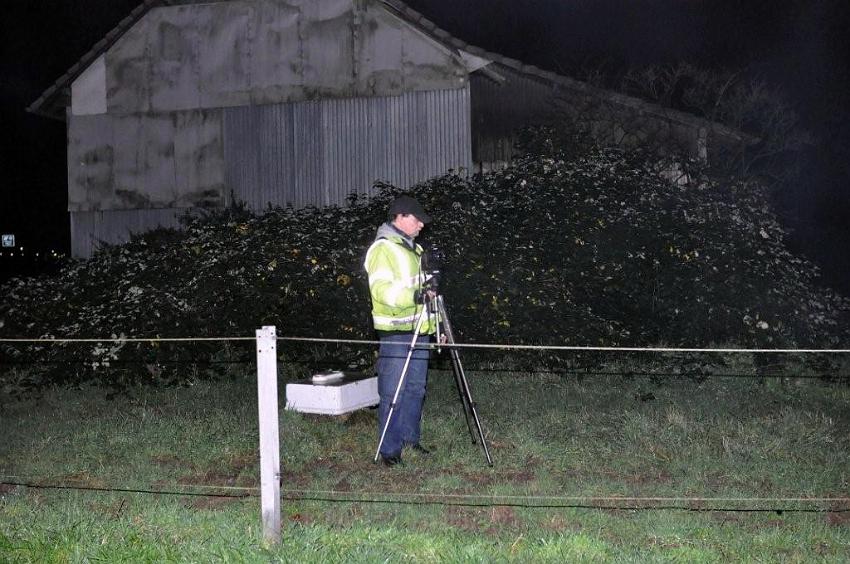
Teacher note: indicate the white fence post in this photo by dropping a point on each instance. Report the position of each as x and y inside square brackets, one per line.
[269, 436]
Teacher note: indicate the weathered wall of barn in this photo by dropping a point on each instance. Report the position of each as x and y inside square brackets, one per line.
[500, 107]
[252, 52]
[145, 161]
[89, 229]
[129, 173]
[271, 101]
[317, 153]
[300, 153]
[145, 127]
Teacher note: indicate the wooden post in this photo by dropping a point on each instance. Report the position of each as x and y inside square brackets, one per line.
[269, 436]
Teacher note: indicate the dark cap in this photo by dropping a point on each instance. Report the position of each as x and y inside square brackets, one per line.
[407, 205]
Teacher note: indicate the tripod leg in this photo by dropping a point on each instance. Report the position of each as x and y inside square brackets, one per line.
[463, 383]
[467, 412]
[400, 385]
[456, 368]
[468, 398]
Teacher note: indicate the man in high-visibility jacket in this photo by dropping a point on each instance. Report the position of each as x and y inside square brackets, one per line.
[397, 287]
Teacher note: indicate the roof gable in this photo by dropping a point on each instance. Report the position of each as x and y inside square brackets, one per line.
[54, 101]
[245, 52]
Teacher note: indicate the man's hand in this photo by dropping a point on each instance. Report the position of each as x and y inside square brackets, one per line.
[428, 295]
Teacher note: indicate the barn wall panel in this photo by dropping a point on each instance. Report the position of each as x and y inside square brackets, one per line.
[138, 161]
[308, 139]
[318, 153]
[91, 160]
[198, 159]
[276, 56]
[172, 42]
[90, 229]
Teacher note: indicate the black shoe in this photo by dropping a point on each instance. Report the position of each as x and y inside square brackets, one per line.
[391, 460]
[420, 449]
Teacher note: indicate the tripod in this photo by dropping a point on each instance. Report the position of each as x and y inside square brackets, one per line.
[435, 305]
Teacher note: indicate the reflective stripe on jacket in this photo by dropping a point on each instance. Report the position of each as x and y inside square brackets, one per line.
[395, 275]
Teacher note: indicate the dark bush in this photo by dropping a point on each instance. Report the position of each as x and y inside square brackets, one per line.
[600, 249]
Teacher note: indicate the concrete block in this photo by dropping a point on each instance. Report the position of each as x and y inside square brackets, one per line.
[345, 394]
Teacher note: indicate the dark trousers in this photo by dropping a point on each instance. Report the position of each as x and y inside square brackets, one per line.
[406, 422]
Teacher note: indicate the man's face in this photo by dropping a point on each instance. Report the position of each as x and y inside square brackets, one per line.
[409, 224]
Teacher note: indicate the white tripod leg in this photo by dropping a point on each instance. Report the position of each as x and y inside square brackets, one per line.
[400, 382]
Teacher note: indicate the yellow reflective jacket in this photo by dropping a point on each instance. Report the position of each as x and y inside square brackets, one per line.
[393, 263]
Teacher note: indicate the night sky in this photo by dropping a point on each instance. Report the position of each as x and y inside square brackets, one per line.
[803, 46]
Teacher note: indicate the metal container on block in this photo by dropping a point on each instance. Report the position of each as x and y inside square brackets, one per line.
[332, 393]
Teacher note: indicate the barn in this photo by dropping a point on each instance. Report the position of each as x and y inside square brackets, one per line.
[187, 105]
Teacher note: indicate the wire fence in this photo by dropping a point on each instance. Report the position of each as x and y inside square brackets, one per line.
[778, 504]
[479, 364]
[794, 503]
[437, 346]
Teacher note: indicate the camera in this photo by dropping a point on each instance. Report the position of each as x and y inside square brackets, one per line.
[432, 263]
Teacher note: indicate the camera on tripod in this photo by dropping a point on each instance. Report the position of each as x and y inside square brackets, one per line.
[432, 265]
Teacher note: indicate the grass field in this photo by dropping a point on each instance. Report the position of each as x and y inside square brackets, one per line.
[558, 443]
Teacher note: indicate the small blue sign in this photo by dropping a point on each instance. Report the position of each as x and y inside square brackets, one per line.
[8, 240]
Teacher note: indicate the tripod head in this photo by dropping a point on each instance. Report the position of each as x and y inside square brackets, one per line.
[432, 281]
[429, 293]
[432, 263]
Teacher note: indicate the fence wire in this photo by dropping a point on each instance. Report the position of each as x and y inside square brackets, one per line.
[638, 503]
[790, 504]
[437, 346]
[580, 371]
